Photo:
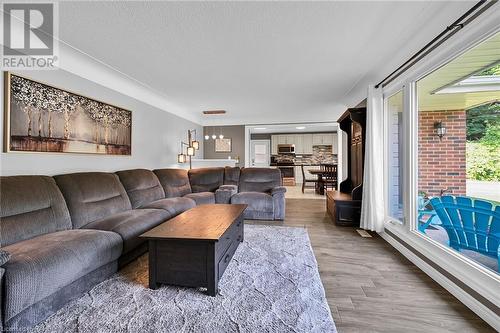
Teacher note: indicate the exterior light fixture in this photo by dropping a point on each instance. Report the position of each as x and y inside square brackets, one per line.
[207, 137]
[181, 158]
[196, 144]
[214, 136]
[221, 136]
[439, 129]
[190, 151]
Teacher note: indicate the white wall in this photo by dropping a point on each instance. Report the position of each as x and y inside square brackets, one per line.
[156, 134]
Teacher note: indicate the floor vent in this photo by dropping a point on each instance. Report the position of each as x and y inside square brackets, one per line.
[363, 233]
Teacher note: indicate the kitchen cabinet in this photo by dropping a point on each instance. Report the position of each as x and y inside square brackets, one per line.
[274, 145]
[298, 175]
[317, 139]
[307, 143]
[323, 139]
[299, 144]
[303, 142]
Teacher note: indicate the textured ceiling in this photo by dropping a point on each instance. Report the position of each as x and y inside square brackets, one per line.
[260, 61]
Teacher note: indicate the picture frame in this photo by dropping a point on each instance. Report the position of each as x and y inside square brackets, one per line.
[42, 118]
[223, 145]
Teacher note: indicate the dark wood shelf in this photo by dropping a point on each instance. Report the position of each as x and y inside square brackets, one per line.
[344, 206]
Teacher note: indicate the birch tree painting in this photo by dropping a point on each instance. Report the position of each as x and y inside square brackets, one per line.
[47, 119]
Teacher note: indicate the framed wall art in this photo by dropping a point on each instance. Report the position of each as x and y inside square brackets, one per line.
[223, 145]
[43, 118]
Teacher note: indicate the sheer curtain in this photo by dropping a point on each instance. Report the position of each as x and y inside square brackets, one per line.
[372, 208]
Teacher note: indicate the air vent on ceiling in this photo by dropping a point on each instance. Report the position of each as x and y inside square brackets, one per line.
[214, 112]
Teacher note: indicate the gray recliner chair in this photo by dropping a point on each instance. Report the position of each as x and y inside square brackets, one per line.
[261, 189]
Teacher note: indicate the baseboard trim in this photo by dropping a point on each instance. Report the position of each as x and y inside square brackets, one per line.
[483, 307]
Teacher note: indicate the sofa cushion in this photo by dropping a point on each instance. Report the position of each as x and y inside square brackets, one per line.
[231, 175]
[91, 196]
[206, 179]
[259, 179]
[260, 205]
[175, 182]
[30, 206]
[174, 206]
[202, 198]
[142, 186]
[131, 224]
[42, 265]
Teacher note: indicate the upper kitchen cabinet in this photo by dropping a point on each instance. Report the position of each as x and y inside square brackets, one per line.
[303, 142]
[298, 141]
[274, 144]
[323, 139]
[307, 143]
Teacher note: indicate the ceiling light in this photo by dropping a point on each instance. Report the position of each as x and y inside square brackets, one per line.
[221, 136]
[259, 128]
[207, 137]
[300, 127]
[214, 136]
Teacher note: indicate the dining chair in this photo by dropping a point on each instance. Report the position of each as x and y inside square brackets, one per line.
[307, 180]
[329, 176]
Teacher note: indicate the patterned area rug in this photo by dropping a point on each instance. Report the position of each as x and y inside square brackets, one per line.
[271, 285]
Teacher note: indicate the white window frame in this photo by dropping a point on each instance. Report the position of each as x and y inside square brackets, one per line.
[387, 143]
[481, 280]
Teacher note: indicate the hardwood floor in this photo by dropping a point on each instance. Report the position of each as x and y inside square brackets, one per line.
[370, 287]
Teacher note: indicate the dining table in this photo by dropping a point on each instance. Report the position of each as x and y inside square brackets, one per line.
[320, 184]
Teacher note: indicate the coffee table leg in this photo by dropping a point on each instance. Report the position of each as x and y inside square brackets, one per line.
[212, 290]
[152, 265]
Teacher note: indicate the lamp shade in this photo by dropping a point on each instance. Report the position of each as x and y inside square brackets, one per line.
[195, 144]
[181, 158]
[190, 151]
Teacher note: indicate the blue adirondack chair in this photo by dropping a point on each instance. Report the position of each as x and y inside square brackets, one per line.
[471, 224]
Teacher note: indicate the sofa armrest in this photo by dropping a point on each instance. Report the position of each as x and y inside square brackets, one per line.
[279, 202]
[278, 190]
[224, 193]
[4, 257]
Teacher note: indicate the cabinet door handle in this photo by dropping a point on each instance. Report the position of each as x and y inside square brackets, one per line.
[226, 258]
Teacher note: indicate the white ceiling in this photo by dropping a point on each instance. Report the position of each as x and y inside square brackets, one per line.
[292, 128]
[263, 62]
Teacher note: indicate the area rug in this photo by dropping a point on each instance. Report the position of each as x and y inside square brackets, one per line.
[271, 285]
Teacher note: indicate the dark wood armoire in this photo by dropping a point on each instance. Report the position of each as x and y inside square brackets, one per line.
[344, 206]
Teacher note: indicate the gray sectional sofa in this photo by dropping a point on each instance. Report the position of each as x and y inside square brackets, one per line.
[61, 235]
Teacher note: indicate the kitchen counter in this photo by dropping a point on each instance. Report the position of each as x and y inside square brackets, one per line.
[305, 164]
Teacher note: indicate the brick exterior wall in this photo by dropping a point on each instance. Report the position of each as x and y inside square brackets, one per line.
[442, 163]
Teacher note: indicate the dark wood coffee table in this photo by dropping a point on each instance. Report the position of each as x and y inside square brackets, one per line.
[194, 248]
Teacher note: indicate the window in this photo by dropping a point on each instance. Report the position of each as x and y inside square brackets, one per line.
[394, 113]
[459, 154]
